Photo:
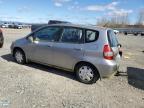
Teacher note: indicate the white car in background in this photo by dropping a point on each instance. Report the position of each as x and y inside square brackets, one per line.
[5, 25]
[116, 31]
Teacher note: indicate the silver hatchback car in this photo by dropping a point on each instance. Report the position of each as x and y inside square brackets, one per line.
[89, 51]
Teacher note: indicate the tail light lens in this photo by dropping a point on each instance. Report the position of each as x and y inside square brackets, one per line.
[108, 53]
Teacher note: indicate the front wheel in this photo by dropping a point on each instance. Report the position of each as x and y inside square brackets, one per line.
[19, 56]
[87, 74]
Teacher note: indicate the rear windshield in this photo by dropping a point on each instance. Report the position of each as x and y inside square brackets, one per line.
[112, 38]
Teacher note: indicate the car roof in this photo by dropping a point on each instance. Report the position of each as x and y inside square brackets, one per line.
[80, 26]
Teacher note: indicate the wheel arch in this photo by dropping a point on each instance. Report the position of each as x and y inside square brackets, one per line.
[18, 48]
[85, 62]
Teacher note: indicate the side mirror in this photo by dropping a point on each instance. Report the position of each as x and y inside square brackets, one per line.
[119, 45]
[30, 38]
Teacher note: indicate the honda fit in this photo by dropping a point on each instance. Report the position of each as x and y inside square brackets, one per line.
[89, 51]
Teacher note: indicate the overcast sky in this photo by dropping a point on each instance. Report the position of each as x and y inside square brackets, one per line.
[77, 11]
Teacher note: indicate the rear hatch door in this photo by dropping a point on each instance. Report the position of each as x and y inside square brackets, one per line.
[113, 42]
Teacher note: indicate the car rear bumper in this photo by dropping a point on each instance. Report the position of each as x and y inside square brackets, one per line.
[108, 71]
[107, 68]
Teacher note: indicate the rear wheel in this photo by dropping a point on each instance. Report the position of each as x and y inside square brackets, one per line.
[86, 73]
[19, 56]
[125, 33]
[135, 34]
[142, 34]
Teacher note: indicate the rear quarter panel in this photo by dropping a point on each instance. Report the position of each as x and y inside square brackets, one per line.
[93, 52]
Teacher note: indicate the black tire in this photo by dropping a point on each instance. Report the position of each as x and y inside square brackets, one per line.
[1, 40]
[125, 33]
[95, 77]
[120, 53]
[142, 34]
[1, 45]
[19, 51]
[135, 34]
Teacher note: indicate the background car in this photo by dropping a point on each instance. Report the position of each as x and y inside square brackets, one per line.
[5, 25]
[116, 31]
[18, 26]
[142, 33]
[36, 26]
[1, 39]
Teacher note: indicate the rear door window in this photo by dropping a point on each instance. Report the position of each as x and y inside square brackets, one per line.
[91, 36]
[72, 35]
[112, 38]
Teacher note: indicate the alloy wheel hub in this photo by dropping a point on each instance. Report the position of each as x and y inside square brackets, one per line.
[86, 73]
[19, 57]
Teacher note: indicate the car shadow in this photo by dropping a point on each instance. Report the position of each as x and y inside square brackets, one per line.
[120, 73]
[8, 57]
[67, 74]
[136, 77]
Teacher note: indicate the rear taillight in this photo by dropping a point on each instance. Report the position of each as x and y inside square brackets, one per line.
[108, 53]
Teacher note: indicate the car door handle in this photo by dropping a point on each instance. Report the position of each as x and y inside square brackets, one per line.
[78, 49]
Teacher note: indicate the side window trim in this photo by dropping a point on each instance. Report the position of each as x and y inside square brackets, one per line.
[86, 35]
[57, 38]
[82, 38]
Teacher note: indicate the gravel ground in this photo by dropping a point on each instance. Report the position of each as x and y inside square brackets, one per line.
[38, 86]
